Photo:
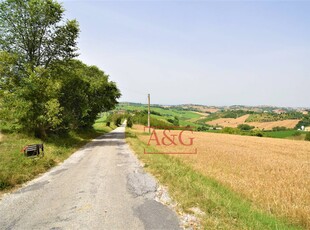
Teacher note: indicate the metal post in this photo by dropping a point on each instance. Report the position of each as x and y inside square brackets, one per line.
[149, 114]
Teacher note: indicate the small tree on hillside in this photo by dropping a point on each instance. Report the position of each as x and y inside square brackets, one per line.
[129, 122]
[245, 127]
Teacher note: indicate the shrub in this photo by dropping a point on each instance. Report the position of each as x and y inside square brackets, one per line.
[245, 127]
[230, 130]
[118, 121]
[202, 128]
[170, 120]
[129, 122]
[296, 134]
[259, 134]
[279, 128]
[307, 138]
[108, 123]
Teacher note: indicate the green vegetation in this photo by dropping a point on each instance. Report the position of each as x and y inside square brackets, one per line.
[161, 113]
[15, 168]
[305, 121]
[235, 113]
[45, 94]
[178, 118]
[141, 118]
[266, 117]
[129, 122]
[307, 138]
[282, 134]
[245, 127]
[43, 90]
[224, 209]
[279, 128]
[289, 134]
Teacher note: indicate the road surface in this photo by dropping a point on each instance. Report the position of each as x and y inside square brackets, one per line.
[101, 186]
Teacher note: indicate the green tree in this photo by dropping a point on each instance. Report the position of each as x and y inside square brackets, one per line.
[176, 121]
[42, 88]
[85, 92]
[36, 31]
[31, 103]
[245, 127]
[129, 122]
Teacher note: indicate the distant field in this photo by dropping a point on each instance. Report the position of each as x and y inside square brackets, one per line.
[229, 122]
[202, 116]
[273, 173]
[292, 134]
[184, 116]
[290, 124]
[232, 122]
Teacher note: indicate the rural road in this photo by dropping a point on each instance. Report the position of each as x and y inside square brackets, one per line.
[101, 186]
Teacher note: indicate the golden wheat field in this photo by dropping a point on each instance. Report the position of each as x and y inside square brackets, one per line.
[232, 122]
[229, 122]
[290, 124]
[273, 173]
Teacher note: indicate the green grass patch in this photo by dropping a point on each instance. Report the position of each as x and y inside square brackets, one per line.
[282, 134]
[224, 208]
[16, 169]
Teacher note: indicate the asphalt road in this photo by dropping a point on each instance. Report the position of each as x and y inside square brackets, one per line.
[101, 186]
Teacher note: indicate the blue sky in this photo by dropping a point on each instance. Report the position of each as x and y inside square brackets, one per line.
[202, 52]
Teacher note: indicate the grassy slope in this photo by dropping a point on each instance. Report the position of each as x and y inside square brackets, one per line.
[186, 116]
[16, 169]
[166, 113]
[281, 134]
[224, 209]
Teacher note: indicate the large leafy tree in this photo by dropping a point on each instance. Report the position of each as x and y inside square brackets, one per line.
[85, 91]
[42, 88]
[30, 103]
[36, 31]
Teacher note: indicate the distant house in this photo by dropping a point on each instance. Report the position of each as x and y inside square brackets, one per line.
[307, 128]
[279, 111]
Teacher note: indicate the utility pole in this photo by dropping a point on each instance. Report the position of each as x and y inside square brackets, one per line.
[149, 114]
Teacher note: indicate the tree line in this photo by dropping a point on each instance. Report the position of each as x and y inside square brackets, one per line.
[43, 87]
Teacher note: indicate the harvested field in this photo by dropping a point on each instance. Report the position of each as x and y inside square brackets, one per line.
[273, 173]
[229, 122]
[269, 125]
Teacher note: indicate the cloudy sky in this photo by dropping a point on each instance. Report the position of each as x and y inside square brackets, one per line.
[202, 52]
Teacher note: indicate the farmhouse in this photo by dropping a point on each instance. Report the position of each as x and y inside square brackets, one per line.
[307, 128]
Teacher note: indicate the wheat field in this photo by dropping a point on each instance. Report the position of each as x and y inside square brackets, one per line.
[273, 173]
[234, 122]
[229, 122]
[290, 124]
